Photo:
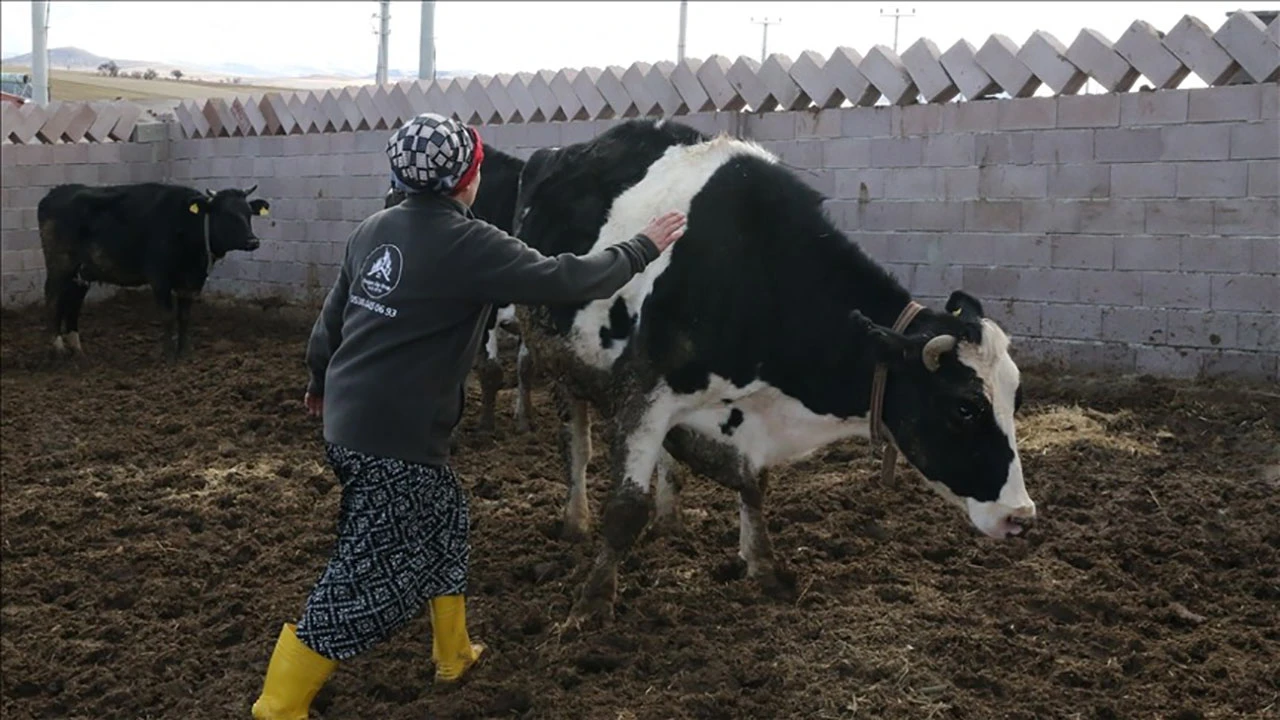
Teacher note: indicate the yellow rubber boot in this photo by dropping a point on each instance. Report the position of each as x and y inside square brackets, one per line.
[294, 676]
[451, 646]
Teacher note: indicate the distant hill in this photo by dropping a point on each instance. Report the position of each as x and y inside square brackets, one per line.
[67, 58]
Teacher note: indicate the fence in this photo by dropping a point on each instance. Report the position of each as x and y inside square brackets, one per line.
[1129, 231]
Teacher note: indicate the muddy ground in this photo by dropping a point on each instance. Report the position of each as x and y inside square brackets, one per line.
[159, 524]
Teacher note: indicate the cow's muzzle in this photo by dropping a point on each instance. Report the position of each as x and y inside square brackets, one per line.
[253, 244]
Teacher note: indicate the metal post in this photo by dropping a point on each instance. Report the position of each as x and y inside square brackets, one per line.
[684, 23]
[427, 42]
[764, 40]
[384, 30]
[40, 51]
[896, 15]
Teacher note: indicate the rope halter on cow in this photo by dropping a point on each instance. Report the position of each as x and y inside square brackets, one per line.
[878, 380]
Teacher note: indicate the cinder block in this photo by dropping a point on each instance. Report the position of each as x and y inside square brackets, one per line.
[1135, 324]
[1216, 254]
[1164, 361]
[923, 61]
[1270, 101]
[1246, 39]
[1175, 290]
[1096, 252]
[960, 183]
[1256, 141]
[1011, 148]
[999, 57]
[860, 184]
[1251, 293]
[1219, 104]
[885, 70]
[1144, 48]
[1021, 249]
[866, 122]
[937, 216]
[1111, 217]
[1094, 53]
[879, 216]
[1026, 181]
[961, 64]
[1222, 179]
[1126, 145]
[1027, 114]
[950, 150]
[1016, 318]
[987, 216]
[919, 119]
[1197, 142]
[912, 248]
[1062, 146]
[1265, 255]
[1192, 42]
[996, 283]
[1258, 331]
[1079, 181]
[819, 124]
[771, 126]
[1106, 287]
[874, 245]
[1077, 322]
[913, 184]
[1089, 111]
[1143, 180]
[936, 280]
[1198, 328]
[897, 152]
[1147, 252]
[1241, 365]
[971, 116]
[1181, 217]
[1046, 57]
[846, 153]
[1050, 216]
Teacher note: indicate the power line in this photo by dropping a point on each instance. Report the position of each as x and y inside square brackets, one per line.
[897, 16]
[764, 40]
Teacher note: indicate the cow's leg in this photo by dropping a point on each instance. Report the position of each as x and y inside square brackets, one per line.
[635, 445]
[726, 466]
[183, 316]
[666, 496]
[164, 298]
[55, 293]
[490, 371]
[575, 451]
[73, 302]
[524, 379]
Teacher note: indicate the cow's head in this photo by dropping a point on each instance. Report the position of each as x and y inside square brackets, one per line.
[949, 403]
[230, 213]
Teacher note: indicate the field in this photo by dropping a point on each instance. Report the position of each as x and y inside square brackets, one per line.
[75, 85]
[159, 524]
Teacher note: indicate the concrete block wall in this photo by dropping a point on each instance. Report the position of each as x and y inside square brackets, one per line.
[1121, 232]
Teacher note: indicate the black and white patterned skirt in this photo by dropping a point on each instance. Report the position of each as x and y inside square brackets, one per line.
[402, 540]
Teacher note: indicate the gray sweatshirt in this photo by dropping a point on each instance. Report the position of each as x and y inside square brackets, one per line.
[399, 331]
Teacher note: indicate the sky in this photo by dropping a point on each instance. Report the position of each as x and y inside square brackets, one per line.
[490, 37]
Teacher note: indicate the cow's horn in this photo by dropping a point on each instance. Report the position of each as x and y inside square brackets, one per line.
[934, 349]
[208, 192]
[249, 192]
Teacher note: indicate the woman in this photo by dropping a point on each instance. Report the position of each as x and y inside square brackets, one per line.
[388, 357]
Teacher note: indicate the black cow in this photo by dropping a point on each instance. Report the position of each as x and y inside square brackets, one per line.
[165, 236]
[754, 341]
[495, 204]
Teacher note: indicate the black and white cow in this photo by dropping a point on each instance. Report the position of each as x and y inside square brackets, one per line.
[751, 343]
[495, 204]
[165, 236]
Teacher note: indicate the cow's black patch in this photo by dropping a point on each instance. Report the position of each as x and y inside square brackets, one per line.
[620, 324]
[735, 419]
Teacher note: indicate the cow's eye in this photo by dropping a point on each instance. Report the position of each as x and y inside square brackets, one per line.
[966, 410]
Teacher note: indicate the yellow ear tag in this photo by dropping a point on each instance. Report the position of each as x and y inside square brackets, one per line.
[262, 211]
[195, 208]
[956, 312]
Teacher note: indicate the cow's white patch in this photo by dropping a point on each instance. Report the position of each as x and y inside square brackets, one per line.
[670, 184]
[991, 362]
[491, 345]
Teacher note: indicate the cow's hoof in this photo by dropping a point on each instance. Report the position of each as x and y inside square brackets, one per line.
[574, 532]
[668, 525]
[590, 612]
[775, 582]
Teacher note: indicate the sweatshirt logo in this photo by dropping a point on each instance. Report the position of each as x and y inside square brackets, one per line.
[380, 271]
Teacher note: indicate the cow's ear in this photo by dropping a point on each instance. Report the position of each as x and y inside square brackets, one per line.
[887, 346]
[198, 206]
[259, 207]
[964, 306]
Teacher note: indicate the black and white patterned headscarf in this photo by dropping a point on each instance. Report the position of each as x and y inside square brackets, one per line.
[433, 153]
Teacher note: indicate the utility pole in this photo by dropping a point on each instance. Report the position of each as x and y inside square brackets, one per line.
[896, 15]
[684, 23]
[40, 51]
[384, 30]
[427, 42]
[764, 41]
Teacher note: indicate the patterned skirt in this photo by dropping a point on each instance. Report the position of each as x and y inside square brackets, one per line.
[402, 539]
